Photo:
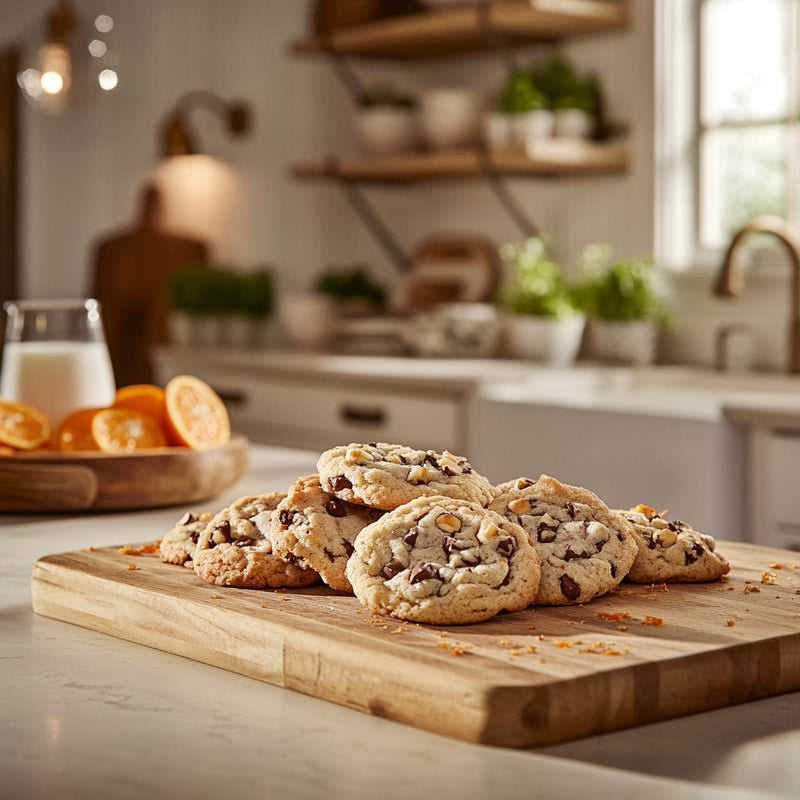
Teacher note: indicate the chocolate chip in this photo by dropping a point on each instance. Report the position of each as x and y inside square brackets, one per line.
[694, 553]
[328, 553]
[507, 578]
[448, 471]
[391, 569]
[348, 547]
[335, 507]
[285, 517]
[570, 510]
[571, 554]
[431, 459]
[422, 572]
[546, 533]
[339, 483]
[449, 544]
[613, 570]
[677, 526]
[410, 538]
[220, 535]
[569, 588]
[244, 541]
[188, 518]
[194, 536]
[506, 546]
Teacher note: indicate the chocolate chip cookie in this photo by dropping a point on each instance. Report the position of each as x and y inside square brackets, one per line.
[316, 530]
[586, 549]
[443, 561]
[235, 548]
[671, 551]
[386, 476]
[178, 544]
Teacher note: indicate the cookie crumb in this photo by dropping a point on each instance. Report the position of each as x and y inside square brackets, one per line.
[769, 577]
[730, 623]
[132, 566]
[656, 621]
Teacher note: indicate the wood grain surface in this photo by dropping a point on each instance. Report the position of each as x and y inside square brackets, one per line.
[543, 675]
[91, 480]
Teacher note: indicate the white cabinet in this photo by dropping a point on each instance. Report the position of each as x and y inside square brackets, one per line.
[774, 484]
[297, 408]
[692, 467]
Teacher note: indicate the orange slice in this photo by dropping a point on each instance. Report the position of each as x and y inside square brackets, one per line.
[22, 426]
[75, 431]
[196, 417]
[122, 430]
[145, 397]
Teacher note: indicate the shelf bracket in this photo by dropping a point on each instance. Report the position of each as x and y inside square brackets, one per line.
[374, 224]
[512, 206]
[494, 40]
[346, 74]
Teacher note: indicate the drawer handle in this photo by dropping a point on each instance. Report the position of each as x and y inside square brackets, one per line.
[231, 397]
[362, 415]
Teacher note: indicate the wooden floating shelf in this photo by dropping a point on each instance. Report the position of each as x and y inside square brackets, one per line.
[470, 28]
[549, 158]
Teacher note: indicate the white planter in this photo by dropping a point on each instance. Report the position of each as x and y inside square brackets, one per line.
[554, 341]
[386, 130]
[573, 123]
[624, 342]
[532, 126]
[497, 130]
[307, 320]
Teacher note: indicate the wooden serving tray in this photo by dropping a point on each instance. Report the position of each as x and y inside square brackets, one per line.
[534, 677]
[52, 481]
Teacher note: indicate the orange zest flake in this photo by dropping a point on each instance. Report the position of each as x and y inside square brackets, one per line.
[750, 589]
[730, 623]
[657, 621]
[129, 550]
[769, 577]
[132, 566]
[566, 642]
[530, 627]
[614, 616]
[641, 508]
[605, 649]
[399, 629]
[214, 596]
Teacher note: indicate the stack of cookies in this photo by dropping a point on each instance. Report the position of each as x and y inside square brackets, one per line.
[420, 535]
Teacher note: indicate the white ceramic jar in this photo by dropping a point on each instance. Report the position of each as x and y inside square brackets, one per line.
[450, 118]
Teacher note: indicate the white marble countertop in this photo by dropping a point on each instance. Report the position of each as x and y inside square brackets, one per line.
[90, 716]
[672, 391]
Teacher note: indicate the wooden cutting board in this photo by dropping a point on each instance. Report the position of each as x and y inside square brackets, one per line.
[95, 481]
[528, 678]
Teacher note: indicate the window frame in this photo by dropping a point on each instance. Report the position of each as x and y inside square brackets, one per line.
[680, 129]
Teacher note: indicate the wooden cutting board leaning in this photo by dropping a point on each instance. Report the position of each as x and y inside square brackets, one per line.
[543, 675]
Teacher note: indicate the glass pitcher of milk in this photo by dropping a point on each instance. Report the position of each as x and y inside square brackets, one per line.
[55, 356]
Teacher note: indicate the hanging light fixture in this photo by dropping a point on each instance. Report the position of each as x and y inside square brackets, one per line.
[56, 68]
[47, 83]
[201, 194]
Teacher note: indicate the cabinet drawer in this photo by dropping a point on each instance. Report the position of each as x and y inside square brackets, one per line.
[782, 465]
[298, 414]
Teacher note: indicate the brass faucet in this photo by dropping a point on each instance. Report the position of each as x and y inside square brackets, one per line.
[730, 282]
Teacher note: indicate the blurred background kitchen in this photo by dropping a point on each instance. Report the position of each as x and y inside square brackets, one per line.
[318, 246]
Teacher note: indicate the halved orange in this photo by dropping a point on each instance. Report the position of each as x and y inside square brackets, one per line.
[123, 430]
[22, 426]
[145, 397]
[195, 417]
[75, 431]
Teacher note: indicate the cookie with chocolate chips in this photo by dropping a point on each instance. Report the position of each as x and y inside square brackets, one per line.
[235, 548]
[315, 529]
[443, 561]
[586, 549]
[516, 483]
[178, 544]
[386, 476]
[671, 551]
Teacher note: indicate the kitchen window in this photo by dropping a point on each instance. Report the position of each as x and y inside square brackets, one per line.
[727, 113]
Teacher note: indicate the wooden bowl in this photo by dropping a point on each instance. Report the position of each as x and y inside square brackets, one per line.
[94, 481]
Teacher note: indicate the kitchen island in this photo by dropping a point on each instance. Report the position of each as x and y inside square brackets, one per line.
[91, 716]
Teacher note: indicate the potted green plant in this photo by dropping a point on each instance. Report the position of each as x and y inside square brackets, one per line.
[213, 306]
[574, 99]
[521, 113]
[544, 318]
[386, 122]
[352, 289]
[624, 309]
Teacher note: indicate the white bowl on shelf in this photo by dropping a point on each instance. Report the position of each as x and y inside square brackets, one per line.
[386, 130]
[450, 118]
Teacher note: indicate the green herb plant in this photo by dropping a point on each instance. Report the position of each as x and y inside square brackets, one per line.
[536, 284]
